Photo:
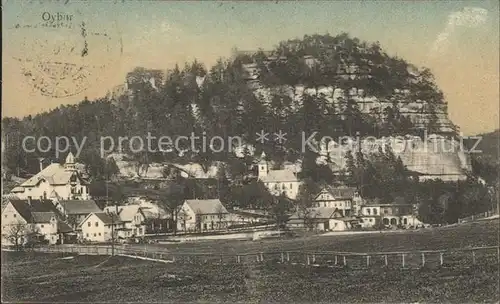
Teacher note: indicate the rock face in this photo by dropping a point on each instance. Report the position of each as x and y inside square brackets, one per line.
[419, 111]
[432, 158]
[435, 157]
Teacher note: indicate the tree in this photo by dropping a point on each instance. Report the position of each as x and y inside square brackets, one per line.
[220, 213]
[223, 186]
[279, 211]
[111, 168]
[182, 216]
[252, 195]
[72, 221]
[16, 234]
[171, 199]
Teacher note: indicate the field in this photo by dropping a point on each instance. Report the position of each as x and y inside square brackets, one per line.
[468, 235]
[29, 277]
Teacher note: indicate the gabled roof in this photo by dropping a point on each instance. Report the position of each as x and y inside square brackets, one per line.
[38, 211]
[54, 195]
[279, 176]
[42, 217]
[125, 213]
[79, 206]
[17, 189]
[319, 213]
[338, 192]
[62, 227]
[54, 174]
[206, 206]
[106, 218]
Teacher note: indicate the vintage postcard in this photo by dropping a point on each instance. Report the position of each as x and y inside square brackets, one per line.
[250, 151]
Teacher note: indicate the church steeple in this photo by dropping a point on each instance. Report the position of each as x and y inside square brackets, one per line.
[262, 166]
[69, 164]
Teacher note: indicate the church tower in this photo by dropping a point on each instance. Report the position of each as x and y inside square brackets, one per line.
[263, 167]
[69, 164]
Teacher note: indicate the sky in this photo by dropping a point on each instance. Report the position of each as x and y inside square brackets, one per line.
[44, 67]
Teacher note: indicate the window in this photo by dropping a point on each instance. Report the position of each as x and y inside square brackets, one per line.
[15, 215]
[89, 224]
[368, 211]
[87, 235]
[374, 211]
[99, 234]
[97, 224]
[291, 185]
[41, 226]
[95, 235]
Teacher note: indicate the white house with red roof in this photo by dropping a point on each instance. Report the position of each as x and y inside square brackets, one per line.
[55, 181]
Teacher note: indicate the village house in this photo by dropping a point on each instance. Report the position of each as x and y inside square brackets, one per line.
[390, 215]
[134, 219]
[55, 181]
[203, 215]
[32, 220]
[101, 227]
[345, 199]
[75, 211]
[278, 182]
[320, 219]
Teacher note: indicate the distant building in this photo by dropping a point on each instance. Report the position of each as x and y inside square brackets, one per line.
[203, 215]
[133, 217]
[320, 219]
[99, 227]
[39, 220]
[345, 199]
[55, 181]
[390, 215]
[310, 61]
[278, 182]
[248, 217]
[75, 211]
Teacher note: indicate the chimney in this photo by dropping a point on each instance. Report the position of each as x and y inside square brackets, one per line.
[40, 160]
[29, 200]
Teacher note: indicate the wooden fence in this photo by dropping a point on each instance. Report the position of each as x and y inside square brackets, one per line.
[478, 216]
[464, 257]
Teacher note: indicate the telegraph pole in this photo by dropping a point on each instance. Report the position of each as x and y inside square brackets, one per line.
[110, 214]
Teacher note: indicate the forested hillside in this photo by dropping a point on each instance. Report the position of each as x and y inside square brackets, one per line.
[256, 91]
[223, 104]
